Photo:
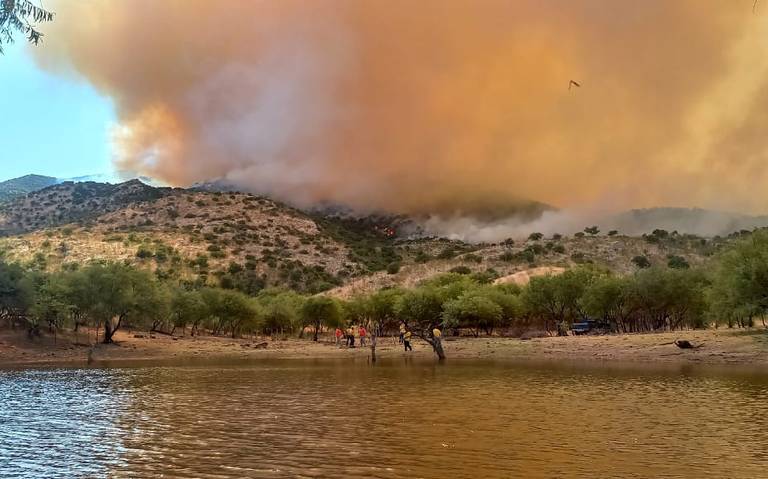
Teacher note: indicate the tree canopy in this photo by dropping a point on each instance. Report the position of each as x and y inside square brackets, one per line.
[21, 16]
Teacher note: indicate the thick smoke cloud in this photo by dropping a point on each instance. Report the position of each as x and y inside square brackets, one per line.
[435, 106]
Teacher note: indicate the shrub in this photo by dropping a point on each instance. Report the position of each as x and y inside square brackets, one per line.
[641, 262]
[422, 257]
[472, 257]
[143, 252]
[677, 262]
[461, 270]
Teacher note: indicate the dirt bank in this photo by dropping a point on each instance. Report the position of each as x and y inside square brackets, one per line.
[749, 347]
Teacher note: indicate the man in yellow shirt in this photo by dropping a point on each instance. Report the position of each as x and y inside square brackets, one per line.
[407, 341]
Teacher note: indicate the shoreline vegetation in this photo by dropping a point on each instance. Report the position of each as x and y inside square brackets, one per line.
[747, 347]
[115, 311]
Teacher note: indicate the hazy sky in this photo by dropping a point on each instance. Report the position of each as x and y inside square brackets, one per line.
[413, 106]
[50, 125]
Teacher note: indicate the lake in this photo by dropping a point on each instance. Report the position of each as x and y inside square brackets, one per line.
[398, 419]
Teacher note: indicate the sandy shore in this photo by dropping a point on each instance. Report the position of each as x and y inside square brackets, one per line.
[746, 347]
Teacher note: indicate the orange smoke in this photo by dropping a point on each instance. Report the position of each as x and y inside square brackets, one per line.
[435, 105]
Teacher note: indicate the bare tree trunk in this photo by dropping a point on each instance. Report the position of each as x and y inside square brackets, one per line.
[317, 330]
[437, 346]
[110, 331]
[373, 348]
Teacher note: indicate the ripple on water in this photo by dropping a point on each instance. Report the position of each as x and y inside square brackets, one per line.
[344, 420]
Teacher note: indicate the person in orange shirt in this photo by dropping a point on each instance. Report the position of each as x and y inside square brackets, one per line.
[363, 333]
[339, 334]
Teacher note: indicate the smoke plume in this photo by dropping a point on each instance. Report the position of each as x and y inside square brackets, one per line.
[453, 107]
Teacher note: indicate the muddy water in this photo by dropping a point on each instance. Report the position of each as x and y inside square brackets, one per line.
[395, 420]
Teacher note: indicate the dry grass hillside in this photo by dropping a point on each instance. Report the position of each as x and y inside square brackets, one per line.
[198, 236]
[488, 262]
[249, 242]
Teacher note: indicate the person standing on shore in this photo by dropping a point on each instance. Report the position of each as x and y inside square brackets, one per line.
[363, 334]
[402, 332]
[338, 334]
[407, 341]
[350, 337]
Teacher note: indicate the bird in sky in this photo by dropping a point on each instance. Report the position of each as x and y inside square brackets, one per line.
[573, 83]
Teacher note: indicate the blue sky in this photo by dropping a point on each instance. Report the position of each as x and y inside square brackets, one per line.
[50, 125]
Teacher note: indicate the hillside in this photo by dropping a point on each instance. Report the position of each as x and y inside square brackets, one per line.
[249, 242]
[428, 257]
[696, 221]
[197, 236]
[69, 202]
[18, 187]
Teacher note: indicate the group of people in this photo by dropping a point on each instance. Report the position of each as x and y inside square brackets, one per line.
[350, 334]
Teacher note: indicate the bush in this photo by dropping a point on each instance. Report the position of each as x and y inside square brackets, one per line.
[472, 257]
[677, 262]
[447, 253]
[460, 270]
[422, 257]
[641, 262]
[393, 267]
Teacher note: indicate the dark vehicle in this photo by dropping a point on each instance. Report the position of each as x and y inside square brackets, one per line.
[590, 326]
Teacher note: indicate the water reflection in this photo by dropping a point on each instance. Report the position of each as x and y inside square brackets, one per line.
[319, 419]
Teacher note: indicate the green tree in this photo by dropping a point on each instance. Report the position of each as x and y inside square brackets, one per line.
[740, 280]
[669, 298]
[472, 310]
[319, 311]
[382, 310]
[16, 293]
[281, 310]
[52, 304]
[116, 293]
[421, 311]
[188, 309]
[610, 299]
[592, 230]
[557, 299]
[21, 16]
[230, 311]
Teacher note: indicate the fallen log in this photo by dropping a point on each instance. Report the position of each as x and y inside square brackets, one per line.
[685, 344]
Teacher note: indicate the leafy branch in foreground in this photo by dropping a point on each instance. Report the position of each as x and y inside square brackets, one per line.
[21, 16]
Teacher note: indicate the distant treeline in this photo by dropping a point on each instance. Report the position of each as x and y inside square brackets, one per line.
[731, 289]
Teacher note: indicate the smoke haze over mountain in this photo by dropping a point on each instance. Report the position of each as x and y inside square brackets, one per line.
[457, 107]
